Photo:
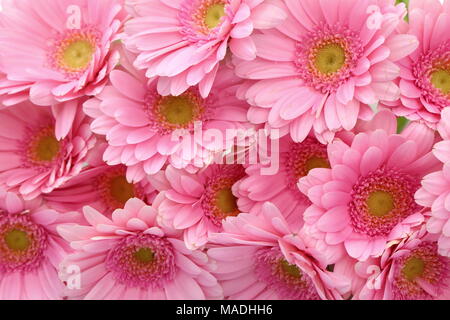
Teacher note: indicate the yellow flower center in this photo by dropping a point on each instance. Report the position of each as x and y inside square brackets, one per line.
[226, 201]
[330, 58]
[144, 255]
[17, 240]
[290, 270]
[380, 203]
[178, 110]
[413, 268]
[121, 190]
[45, 147]
[441, 80]
[77, 55]
[214, 15]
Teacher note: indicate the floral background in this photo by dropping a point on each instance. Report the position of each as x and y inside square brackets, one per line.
[225, 149]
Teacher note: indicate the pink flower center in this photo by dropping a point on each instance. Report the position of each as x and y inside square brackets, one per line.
[143, 260]
[169, 113]
[422, 266]
[218, 200]
[73, 52]
[327, 56]
[302, 158]
[381, 200]
[202, 19]
[432, 73]
[286, 279]
[22, 243]
[115, 190]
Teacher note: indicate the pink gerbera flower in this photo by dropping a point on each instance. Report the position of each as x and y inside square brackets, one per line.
[295, 160]
[190, 37]
[61, 49]
[145, 130]
[131, 256]
[425, 74]
[435, 189]
[320, 68]
[259, 257]
[32, 160]
[411, 270]
[198, 204]
[366, 199]
[30, 249]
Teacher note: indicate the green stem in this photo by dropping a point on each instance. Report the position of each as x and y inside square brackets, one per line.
[401, 124]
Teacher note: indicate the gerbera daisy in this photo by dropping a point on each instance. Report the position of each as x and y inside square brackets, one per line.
[366, 198]
[260, 257]
[30, 249]
[198, 203]
[183, 41]
[295, 160]
[425, 73]
[61, 49]
[32, 160]
[131, 256]
[411, 270]
[435, 189]
[145, 130]
[321, 67]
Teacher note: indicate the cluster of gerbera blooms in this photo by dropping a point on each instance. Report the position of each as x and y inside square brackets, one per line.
[99, 201]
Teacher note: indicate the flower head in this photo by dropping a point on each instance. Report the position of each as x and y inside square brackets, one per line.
[320, 68]
[70, 45]
[57, 51]
[30, 249]
[410, 270]
[198, 204]
[260, 257]
[425, 73]
[193, 36]
[366, 198]
[134, 258]
[146, 130]
[32, 160]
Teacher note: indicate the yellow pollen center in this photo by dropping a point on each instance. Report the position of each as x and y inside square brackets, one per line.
[290, 269]
[330, 59]
[17, 240]
[214, 15]
[380, 203]
[46, 148]
[441, 80]
[316, 162]
[177, 110]
[121, 190]
[226, 201]
[144, 255]
[77, 55]
[413, 268]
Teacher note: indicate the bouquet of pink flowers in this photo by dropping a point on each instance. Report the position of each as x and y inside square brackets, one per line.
[225, 149]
